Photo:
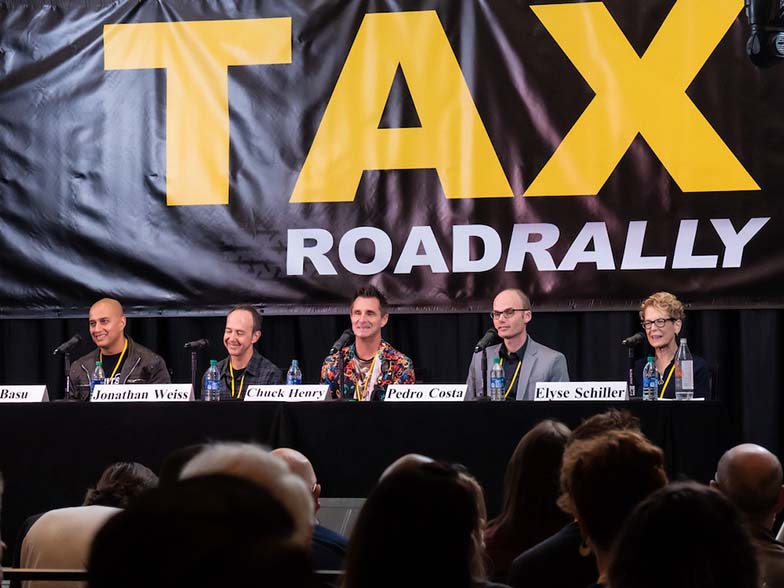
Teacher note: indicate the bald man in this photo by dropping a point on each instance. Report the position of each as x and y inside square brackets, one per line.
[124, 360]
[524, 361]
[328, 548]
[751, 477]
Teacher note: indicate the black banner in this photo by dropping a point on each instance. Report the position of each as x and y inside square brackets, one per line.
[184, 156]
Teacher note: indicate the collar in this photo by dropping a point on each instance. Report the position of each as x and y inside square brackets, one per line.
[514, 355]
[251, 369]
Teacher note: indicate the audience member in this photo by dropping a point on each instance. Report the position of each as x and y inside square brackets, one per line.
[418, 529]
[529, 513]
[603, 479]
[253, 463]
[684, 536]
[204, 532]
[61, 538]
[556, 562]
[175, 461]
[751, 477]
[328, 548]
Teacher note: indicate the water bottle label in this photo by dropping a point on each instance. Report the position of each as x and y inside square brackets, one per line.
[687, 374]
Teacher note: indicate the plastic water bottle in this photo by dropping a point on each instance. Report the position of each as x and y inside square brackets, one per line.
[497, 382]
[210, 390]
[684, 373]
[650, 380]
[98, 377]
[294, 375]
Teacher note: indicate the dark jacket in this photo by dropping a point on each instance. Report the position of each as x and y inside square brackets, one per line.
[142, 366]
[260, 371]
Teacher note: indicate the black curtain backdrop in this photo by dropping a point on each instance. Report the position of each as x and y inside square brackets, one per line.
[743, 348]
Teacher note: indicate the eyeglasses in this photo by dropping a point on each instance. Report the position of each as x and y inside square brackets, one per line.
[659, 322]
[506, 313]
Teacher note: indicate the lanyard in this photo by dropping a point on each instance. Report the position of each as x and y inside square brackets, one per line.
[514, 377]
[119, 361]
[242, 380]
[672, 369]
[369, 375]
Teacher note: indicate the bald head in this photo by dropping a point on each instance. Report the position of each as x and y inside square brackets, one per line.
[298, 464]
[751, 477]
[410, 460]
[519, 295]
[107, 325]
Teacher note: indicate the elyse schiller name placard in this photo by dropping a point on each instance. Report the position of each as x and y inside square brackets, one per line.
[591, 391]
[23, 394]
[287, 393]
[426, 393]
[142, 393]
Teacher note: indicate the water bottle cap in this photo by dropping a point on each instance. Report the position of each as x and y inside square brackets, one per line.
[497, 360]
[294, 363]
[650, 358]
[683, 340]
[97, 363]
[213, 361]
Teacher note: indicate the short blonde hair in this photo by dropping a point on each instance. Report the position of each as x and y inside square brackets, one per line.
[666, 302]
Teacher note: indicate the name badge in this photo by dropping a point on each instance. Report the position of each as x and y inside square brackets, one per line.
[613, 391]
[142, 393]
[287, 393]
[24, 394]
[426, 393]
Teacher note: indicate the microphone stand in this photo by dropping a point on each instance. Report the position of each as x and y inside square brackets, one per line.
[196, 391]
[630, 378]
[484, 374]
[67, 362]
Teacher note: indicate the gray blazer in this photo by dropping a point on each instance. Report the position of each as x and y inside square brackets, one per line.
[540, 364]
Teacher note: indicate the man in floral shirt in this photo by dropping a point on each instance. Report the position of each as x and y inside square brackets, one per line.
[370, 363]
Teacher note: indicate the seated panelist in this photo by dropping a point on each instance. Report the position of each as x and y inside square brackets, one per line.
[124, 360]
[661, 317]
[370, 362]
[244, 366]
[525, 362]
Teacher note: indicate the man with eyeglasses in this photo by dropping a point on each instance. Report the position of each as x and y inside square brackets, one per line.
[524, 361]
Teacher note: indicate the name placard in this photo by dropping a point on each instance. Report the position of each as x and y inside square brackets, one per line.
[142, 393]
[614, 391]
[287, 393]
[426, 393]
[24, 394]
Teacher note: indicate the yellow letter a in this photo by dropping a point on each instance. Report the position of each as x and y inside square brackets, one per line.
[452, 138]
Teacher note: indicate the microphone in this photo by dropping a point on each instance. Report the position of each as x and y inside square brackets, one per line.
[487, 339]
[634, 340]
[200, 344]
[347, 338]
[68, 345]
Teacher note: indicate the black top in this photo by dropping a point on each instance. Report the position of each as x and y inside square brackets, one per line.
[510, 363]
[555, 562]
[701, 378]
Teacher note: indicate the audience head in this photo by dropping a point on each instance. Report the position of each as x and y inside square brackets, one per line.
[253, 463]
[406, 461]
[684, 536]
[531, 486]
[609, 420]
[604, 478]
[202, 532]
[418, 527]
[175, 461]
[751, 477]
[300, 466]
[121, 483]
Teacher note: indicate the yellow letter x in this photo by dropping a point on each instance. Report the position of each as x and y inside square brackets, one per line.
[196, 56]
[645, 95]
